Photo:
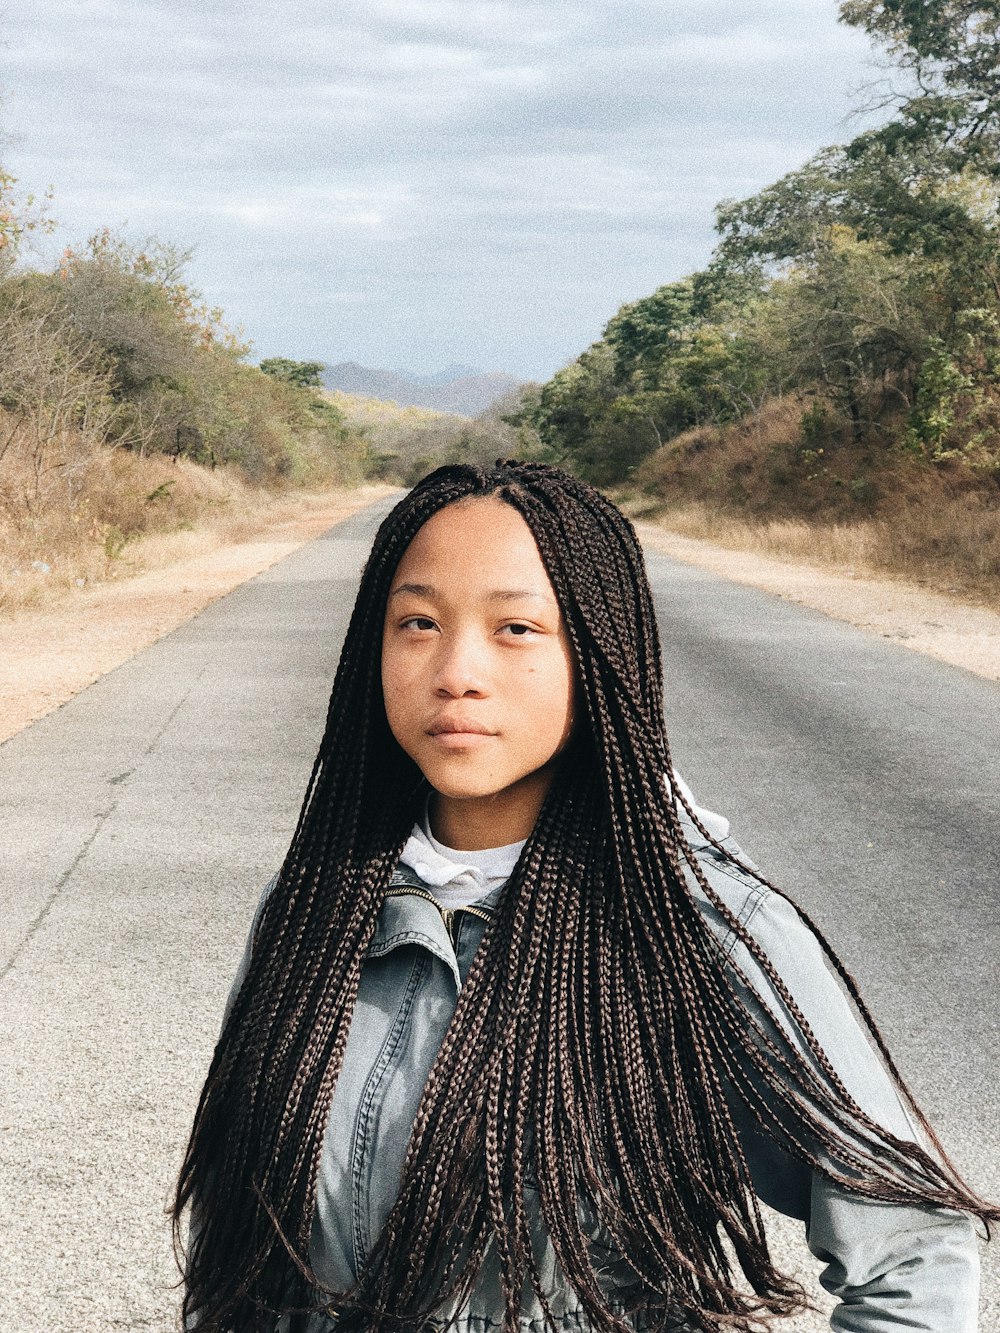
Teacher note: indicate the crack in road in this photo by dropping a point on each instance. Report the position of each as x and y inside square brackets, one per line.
[102, 818]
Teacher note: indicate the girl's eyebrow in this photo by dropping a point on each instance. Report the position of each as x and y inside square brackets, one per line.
[497, 595]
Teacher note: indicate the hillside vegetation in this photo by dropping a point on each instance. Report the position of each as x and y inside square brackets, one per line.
[838, 361]
[404, 443]
[128, 409]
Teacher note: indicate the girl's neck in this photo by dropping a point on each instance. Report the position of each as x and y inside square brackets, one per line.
[477, 823]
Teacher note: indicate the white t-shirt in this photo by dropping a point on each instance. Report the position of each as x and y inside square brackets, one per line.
[460, 878]
[457, 878]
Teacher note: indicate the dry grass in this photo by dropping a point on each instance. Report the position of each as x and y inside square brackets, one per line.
[866, 508]
[378, 415]
[130, 515]
[951, 546]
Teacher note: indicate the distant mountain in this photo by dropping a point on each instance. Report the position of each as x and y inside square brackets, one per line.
[455, 371]
[461, 389]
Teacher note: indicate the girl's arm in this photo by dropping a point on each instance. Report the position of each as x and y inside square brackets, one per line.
[891, 1266]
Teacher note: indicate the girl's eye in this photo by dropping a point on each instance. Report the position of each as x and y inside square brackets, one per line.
[519, 631]
[417, 622]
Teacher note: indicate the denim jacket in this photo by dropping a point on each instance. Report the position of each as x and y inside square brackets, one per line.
[890, 1266]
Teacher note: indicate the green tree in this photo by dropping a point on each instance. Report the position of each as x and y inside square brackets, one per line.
[304, 374]
[788, 221]
[585, 420]
[853, 323]
[641, 333]
[869, 279]
[667, 362]
[933, 254]
[949, 49]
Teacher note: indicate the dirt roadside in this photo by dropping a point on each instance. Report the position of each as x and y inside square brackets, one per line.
[926, 622]
[48, 656]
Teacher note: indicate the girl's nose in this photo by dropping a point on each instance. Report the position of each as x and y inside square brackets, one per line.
[459, 668]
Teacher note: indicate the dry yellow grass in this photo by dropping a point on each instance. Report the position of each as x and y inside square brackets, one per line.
[377, 414]
[952, 545]
[865, 507]
[938, 624]
[132, 515]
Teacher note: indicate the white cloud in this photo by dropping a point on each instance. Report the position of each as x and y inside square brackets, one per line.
[421, 181]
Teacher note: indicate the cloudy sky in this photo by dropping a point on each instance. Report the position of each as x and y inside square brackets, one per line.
[409, 183]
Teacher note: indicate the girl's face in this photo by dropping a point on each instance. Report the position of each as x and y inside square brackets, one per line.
[477, 671]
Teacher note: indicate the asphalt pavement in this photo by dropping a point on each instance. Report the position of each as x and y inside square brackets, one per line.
[863, 779]
[140, 821]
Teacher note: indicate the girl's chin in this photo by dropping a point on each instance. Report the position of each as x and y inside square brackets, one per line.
[467, 791]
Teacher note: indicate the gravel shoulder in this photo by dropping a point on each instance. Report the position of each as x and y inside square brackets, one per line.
[926, 622]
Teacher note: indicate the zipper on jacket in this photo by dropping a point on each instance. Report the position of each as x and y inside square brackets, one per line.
[449, 915]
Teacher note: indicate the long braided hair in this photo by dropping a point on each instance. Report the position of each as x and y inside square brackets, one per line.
[599, 1042]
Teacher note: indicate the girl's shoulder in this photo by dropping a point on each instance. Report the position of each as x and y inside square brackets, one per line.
[789, 980]
[739, 891]
[743, 902]
[758, 928]
[721, 863]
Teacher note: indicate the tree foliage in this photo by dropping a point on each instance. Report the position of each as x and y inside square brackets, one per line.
[113, 348]
[304, 374]
[868, 279]
[950, 51]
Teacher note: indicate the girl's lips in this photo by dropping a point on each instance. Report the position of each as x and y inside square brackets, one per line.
[459, 740]
[454, 725]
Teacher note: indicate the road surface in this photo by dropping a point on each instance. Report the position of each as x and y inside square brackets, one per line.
[140, 821]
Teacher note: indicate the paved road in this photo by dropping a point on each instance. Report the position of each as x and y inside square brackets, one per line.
[865, 779]
[139, 821]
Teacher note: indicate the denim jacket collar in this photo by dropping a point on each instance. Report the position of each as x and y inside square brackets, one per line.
[416, 918]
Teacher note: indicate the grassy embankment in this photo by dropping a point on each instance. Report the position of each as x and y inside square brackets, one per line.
[136, 514]
[125, 513]
[756, 487]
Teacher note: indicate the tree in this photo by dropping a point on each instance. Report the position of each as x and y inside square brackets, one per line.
[888, 252]
[788, 221]
[578, 420]
[304, 374]
[950, 49]
[56, 408]
[869, 277]
[640, 333]
[854, 324]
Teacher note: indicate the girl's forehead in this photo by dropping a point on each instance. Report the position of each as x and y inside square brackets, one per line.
[472, 543]
[472, 526]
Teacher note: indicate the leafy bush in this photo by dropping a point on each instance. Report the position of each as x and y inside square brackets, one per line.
[114, 349]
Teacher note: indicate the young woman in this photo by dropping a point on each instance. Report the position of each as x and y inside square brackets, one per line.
[520, 1036]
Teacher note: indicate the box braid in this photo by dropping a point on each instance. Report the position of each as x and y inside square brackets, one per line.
[598, 1045]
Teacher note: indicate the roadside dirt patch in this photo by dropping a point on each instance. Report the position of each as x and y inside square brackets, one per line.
[927, 622]
[48, 656]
